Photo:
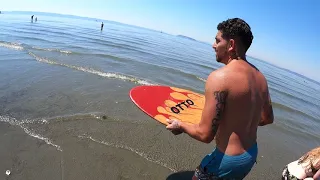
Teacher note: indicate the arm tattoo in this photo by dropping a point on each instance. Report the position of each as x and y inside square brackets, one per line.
[221, 97]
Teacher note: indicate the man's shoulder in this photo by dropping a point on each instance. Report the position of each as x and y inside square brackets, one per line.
[224, 74]
[242, 71]
[217, 80]
[226, 77]
[217, 75]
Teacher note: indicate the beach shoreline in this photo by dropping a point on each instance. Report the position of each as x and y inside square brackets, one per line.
[76, 154]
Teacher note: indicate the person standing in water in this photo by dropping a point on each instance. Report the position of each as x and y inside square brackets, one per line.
[36, 19]
[306, 167]
[237, 101]
[101, 26]
[32, 18]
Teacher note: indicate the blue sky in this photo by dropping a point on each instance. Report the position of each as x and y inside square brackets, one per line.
[286, 32]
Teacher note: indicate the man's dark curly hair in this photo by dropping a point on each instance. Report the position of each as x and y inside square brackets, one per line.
[236, 28]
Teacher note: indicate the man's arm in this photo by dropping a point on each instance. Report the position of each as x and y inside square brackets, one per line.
[267, 112]
[215, 100]
[317, 175]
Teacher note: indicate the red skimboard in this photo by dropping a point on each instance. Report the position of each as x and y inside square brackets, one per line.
[164, 102]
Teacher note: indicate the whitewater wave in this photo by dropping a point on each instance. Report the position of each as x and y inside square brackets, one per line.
[15, 46]
[22, 124]
[141, 154]
[201, 79]
[52, 50]
[93, 71]
[18, 46]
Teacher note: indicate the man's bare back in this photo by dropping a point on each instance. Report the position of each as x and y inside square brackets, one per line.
[247, 92]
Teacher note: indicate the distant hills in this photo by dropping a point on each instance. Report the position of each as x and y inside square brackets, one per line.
[186, 37]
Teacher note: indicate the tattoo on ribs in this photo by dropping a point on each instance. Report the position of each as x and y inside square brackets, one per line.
[221, 97]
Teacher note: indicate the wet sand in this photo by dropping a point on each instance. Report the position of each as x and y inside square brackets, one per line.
[30, 158]
[82, 155]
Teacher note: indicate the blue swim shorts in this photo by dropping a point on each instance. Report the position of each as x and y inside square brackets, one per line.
[218, 165]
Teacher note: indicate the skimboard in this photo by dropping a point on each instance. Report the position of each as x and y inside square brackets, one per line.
[165, 102]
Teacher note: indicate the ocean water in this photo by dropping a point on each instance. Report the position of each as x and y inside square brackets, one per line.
[62, 76]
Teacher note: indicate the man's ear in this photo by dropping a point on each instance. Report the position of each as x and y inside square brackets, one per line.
[232, 45]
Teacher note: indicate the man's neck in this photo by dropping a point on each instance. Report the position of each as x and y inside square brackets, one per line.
[243, 58]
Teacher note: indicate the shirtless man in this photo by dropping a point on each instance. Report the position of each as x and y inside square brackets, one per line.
[237, 101]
